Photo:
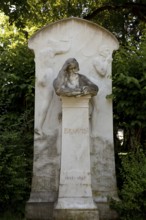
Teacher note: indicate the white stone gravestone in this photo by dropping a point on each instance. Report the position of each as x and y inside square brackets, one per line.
[92, 46]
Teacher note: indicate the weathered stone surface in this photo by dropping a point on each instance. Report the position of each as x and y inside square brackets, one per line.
[75, 214]
[102, 163]
[106, 213]
[39, 210]
[92, 46]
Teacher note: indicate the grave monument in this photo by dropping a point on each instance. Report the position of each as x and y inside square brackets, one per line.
[74, 165]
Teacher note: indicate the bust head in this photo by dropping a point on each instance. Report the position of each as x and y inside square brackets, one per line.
[71, 66]
[70, 83]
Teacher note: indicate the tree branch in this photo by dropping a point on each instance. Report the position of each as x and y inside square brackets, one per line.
[136, 9]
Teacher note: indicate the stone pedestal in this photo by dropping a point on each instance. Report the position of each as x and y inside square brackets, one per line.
[75, 199]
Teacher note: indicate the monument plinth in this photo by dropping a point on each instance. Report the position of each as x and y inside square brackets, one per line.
[75, 193]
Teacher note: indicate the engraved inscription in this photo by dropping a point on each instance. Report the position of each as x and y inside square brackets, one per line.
[75, 178]
[76, 131]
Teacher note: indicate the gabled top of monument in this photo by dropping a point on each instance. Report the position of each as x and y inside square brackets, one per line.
[70, 23]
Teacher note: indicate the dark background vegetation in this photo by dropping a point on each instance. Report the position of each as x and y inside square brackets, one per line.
[19, 19]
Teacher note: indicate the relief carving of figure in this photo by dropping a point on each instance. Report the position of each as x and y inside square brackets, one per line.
[44, 87]
[102, 61]
[44, 81]
[70, 83]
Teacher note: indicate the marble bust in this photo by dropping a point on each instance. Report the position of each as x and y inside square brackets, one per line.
[70, 83]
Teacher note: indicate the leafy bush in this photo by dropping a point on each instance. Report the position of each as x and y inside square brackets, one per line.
[129, 92]
[132, 204]
[16, 123]
[10, 216]
[15, 170]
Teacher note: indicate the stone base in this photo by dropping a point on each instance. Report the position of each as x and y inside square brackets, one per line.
[105, 212]
[39, 210]
[76, 204]
[70, 214]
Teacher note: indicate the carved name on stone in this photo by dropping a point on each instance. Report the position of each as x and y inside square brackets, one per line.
[78, 131]
[80, 178]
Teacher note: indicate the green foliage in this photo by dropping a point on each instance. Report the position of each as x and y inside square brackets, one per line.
[132, 204]
[129, 95]
[129, 92]
[15, 170]
[124, 18]
[16, 121]
[15, 9]
[11, 216]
